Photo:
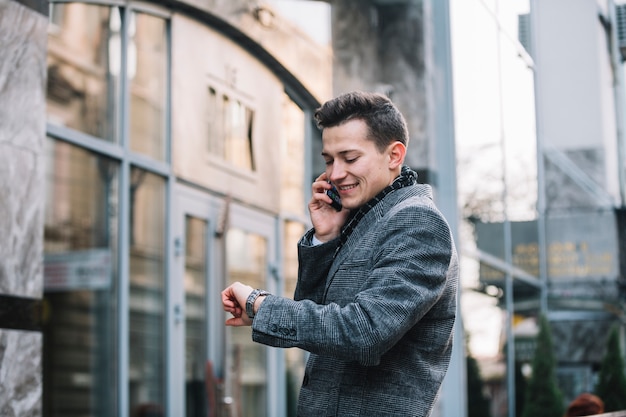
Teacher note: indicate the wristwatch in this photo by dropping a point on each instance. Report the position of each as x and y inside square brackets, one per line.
[252, 299]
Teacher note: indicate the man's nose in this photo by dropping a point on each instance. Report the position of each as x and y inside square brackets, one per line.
[337, 172]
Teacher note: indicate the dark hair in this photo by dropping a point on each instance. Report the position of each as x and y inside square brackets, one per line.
[585, 404]
[384, 121]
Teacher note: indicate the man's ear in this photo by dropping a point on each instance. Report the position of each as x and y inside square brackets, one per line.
[397, 152]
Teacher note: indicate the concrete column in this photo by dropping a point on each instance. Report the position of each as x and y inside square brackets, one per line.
[380, 46]
[23, 35]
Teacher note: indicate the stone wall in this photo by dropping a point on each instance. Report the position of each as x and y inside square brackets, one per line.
[23, 38]
[381, 47]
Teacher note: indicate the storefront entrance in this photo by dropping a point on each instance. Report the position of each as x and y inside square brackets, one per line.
[216, 241]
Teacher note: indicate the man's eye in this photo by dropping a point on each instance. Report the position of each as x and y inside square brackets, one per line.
[328, 162]
[349, 161]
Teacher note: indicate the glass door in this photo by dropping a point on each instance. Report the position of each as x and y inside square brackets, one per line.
[214, 370]
[252, 374]
[195, 318]
[191, 299]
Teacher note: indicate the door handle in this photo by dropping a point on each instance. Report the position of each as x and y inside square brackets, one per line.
[179, 314]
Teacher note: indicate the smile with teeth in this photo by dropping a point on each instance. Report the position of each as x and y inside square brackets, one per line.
[346, 187]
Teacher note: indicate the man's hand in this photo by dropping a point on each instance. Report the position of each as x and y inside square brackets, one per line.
[326, 220]
[234, 302]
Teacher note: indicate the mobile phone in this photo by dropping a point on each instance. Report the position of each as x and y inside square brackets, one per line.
[334, 195]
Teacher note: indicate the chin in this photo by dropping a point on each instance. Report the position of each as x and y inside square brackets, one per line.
[346, 206]
[350, 205]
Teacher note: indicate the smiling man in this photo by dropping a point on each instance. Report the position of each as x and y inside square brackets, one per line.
[375, 300]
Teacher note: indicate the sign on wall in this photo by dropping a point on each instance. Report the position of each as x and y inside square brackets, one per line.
[88, 269]
[580, 247]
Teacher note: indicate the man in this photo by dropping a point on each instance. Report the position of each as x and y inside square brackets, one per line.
[375, 300]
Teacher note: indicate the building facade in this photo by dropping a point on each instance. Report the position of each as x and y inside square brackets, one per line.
[168, 150]
[581, 143]
[550, 235]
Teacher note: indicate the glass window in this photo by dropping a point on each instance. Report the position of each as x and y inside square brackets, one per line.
[80, 276]
[83, 68]
[239, 135]
[292, 198]
[247, 365]
[147, 74]
[84, 64]
[147, 291]
[294, 358]
[214, 124]
[292, 203]
[195, 315]
[230, 130]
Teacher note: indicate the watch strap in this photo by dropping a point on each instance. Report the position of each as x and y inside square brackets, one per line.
[252, 299]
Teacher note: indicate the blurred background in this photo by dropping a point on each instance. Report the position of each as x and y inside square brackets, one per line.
[151, 152]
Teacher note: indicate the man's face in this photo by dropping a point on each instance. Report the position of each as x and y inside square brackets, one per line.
[353, 163]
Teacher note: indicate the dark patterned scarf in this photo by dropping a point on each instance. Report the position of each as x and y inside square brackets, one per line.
[407, 177]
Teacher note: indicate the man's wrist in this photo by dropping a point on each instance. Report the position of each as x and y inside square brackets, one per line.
[257, 303]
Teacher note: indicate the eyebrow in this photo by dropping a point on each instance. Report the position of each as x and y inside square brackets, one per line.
[342, 153]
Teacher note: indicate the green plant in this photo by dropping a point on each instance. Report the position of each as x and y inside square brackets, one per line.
[543, 397]
[611, 387]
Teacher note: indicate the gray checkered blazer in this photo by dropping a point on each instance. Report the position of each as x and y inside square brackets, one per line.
[377, 318]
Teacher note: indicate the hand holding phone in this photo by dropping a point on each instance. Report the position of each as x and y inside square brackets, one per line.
[334, 196]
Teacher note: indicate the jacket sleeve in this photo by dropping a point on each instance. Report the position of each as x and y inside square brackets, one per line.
[405, 276]
[314, 262]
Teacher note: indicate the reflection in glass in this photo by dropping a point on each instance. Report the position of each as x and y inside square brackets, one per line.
[147, 73]
[239, 135]
[247, 262]
[292, 155]
[83, 47]
[195, 315]
[80, 283]
[292, 203]
[230, 130]
[147, 284]
[294, 358]
[519, 137]
[525, 314]
[495, 142]
[214, 124]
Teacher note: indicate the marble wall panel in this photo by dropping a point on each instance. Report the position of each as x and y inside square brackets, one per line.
[20, 373]
[22, 132]
[23, 37]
